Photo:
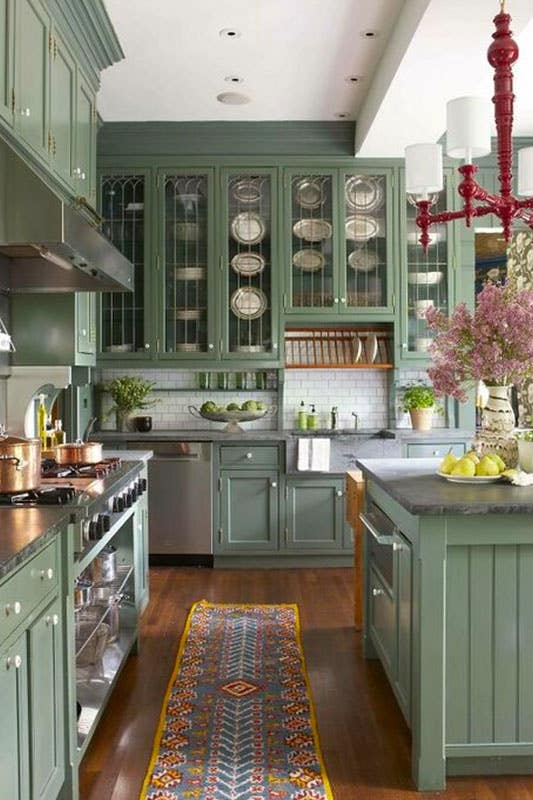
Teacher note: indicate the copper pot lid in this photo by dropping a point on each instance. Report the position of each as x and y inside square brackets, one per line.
[7, 439]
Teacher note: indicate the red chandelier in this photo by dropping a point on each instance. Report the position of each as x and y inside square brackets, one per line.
[468, 136]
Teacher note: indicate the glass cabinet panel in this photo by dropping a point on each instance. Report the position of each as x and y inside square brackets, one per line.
[249, 235]
[427, 276]
[186, 258]
[312, 235]
[365, 241]
[122, 206]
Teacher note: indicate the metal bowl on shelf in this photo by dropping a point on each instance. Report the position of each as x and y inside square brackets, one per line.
[231, 418]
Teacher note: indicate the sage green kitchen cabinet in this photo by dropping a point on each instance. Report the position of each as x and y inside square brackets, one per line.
[124, 327]
[315, 519]
[32, 42]
[403, 584]
[435, 449]
[249, 511]
[7, 42]
[84, 171]
[54, 329]
[62, 109]
[14, 732]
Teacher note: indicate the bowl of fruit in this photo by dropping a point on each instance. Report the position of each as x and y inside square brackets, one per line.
[471, 468]
[231, 414]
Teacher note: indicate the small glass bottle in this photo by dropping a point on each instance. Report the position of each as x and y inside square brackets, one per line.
[50, 436]
[302, 417]
[42, 416]
[59, 432]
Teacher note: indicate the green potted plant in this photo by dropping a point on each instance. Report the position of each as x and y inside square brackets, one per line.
[419, 401]
[129, 394]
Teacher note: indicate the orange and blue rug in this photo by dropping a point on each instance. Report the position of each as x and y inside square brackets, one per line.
[237, 721]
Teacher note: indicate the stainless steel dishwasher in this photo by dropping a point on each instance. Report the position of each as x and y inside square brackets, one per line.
[180, 501]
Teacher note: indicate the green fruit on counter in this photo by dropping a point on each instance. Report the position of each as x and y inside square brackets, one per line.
[260, 406]
[487, 467]
[448, 463]
[464, 468]
[472, 455]
[500, 463]
[233, 407]
[208, 407]
[509, 473]
[249, 405]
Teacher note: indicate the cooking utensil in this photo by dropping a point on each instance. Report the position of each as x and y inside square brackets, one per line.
[312, 230]
[90, 643]
[360, 228]
[308, 193]
[20, 463]
[248, 263]
[248, 302]
[308, 260]
[79, 452]
[82, 593]
[363, 193]
[103, 567]
[248, 228]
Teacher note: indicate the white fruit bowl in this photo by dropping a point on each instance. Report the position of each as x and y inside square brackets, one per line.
[232, 418]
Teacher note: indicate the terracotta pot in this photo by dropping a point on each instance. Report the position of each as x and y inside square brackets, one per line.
[20, 464]
[421, 418]
[79, 453]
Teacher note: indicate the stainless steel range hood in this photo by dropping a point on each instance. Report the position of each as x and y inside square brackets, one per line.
[47, 245]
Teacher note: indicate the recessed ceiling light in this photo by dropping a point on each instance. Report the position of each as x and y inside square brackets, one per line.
[353, 78]
[369, 34]
[229, 33]
[342, 114]
[233, 98]
[233, 79]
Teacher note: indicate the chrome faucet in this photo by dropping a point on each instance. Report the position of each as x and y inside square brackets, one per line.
[355, 420]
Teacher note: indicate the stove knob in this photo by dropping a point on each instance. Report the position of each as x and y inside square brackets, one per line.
[118, 503]
[106, 522]
[144, 484]
[100, 530]
[128, 498]
[93, 530]
[139, 486]
[134, 493]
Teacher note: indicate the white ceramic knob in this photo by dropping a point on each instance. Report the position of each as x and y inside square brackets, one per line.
[273, 484]
[335, 299]
[47, 573]
[397, 546]
[14, 661]
[210, 346]
[249, 456]
[52, 619]
[339, 493]
[377, 592]
[13, 608]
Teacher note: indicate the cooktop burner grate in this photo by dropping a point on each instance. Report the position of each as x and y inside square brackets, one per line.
[51, 469]
[47, 496]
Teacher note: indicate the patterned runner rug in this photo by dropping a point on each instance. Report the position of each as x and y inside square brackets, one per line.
[237, 721]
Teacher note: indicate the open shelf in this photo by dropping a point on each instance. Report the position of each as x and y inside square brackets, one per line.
[338, 348]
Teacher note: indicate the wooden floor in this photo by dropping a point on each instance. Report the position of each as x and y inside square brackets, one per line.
[364, 739]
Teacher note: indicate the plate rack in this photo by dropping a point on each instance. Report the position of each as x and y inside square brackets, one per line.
[338, 348]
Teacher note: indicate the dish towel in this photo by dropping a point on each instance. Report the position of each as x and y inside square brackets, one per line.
[303, 454]
[320, 455]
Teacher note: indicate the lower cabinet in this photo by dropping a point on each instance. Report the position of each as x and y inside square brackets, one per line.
[315, 514]
[249, 510]
[32, 742]
[436, 449]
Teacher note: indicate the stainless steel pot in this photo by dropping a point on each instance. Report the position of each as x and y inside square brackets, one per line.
[82, 594]
[20, 464]
[104, 566]
[79, 453]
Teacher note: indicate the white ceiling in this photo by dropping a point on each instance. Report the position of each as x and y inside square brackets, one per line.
[294, 57]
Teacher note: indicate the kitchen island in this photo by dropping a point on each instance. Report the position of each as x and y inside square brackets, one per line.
[448, 610]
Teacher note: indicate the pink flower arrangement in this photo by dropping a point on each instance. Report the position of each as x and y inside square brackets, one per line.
[493, 344]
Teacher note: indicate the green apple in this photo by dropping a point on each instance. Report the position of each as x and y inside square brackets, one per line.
[448, 463]
[464, 468]
[487, 466]
[233, 407]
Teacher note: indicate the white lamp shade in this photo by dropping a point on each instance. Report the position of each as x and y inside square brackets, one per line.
[423, 169]
[468, 127]
[525, 171]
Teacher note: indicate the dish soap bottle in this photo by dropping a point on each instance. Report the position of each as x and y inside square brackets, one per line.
[302, 417]
[312, 419]
[42, 417]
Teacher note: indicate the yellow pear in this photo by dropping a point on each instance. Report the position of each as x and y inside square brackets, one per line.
[472, 455]
[448, 463]
[500, 463]
[465, 468]
[487, 466]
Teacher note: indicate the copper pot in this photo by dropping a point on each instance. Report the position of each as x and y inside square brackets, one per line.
[79, 453]
[20, 464]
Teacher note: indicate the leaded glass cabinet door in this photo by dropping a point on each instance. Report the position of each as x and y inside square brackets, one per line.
[187, 260]
[249, 247]
[366, 243]
[125, 209]
[311, 214]
[427, 276]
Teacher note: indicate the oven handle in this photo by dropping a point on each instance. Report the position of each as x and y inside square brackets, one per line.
[381, 538]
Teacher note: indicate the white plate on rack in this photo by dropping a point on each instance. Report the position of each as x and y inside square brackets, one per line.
[248, 302]
[248, 263]
[363, 260]
[357, 349]
[308, 193]
[247, 190]
[363, 193]
[371, 348]
[248, 228]
[190, 273]
[308, 260]
[312, 230]
[360, 228]
[469, 478]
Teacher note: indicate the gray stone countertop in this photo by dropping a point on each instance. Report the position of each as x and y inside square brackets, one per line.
[414, 484]
[25, 531]
[202, 435]
[129, 455]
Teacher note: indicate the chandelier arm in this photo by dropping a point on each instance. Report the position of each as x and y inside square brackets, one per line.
[501, 55]
[526, 203]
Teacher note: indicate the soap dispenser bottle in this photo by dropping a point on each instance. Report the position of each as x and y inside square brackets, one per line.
[312, 419]
[42, 417]
[302, 417]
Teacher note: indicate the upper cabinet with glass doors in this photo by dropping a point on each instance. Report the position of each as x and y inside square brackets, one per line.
[187, 294]
[249, 263]
[427, 276]
[339, 226]
[124, 203]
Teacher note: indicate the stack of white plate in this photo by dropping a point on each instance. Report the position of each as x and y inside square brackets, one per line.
[190, 273]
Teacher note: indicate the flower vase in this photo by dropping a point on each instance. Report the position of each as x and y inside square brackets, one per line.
[497, 425]
[124, 421]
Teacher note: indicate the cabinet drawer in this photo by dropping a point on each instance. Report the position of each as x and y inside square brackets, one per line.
[267, 456]
[25, 589]
[382, 622]
[435, 449]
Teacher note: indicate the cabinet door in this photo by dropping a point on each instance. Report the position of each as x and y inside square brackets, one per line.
[124, 316]
[382, 621]
[310, 212]
[249, 511]
[366, 243]
[186, 246]
[427, 277]
[85, 144]
[47, 747]
[62, 94]
[32, 44]
[249, 245]
[403, 591]
[315, 514]
[7, 34]
[14, 766]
